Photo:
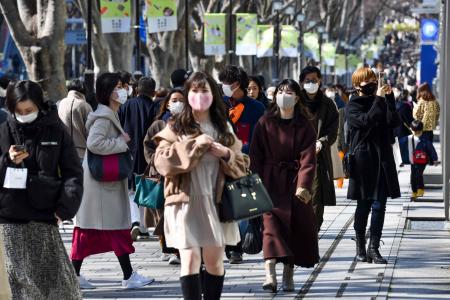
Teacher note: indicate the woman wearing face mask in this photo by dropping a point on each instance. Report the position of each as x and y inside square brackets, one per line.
[325, 119]
[371, 118]
[46, 188]
[103, 221]
[283, 153]
[170, 109]
[195, 152]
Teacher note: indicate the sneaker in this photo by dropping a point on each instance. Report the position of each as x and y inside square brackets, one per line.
[165, 257]
[174, 260]
[135, 232]
[85, 284]
[420, 192]
[143, 236]
[235, 258]
[414, 195]
[136, 281]
[68, 222]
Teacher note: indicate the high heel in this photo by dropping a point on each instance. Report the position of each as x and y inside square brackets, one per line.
[373, 255]
[271, 276]
[361, 254]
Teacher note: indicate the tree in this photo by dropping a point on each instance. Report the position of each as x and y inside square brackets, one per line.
[37, 28]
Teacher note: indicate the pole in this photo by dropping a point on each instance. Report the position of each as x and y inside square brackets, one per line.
[186, 34]
[346, 67]
[137, 38]
[89, 71]
[230, 33]
[320, 50]
[300, 48]
[276, 49]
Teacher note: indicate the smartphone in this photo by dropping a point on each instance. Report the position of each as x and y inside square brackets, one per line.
[20, 148]
[381, 79]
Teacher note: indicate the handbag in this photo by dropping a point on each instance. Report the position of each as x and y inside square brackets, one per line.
[349, 159]
[43, 191]
[252, 241]
[244, 198]
[338, 170]
[149, 192]
[108, 168]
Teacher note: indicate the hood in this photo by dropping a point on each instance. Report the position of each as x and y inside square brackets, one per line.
[104, 112]
[74, 95]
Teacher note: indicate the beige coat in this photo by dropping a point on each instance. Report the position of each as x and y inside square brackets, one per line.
[176, 156]
[105, 205]
[73, 112]
[427, 112]
[5, 291]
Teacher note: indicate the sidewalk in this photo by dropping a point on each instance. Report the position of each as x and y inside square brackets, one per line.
[418, 256]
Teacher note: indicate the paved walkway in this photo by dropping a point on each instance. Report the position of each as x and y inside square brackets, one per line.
[418, 262]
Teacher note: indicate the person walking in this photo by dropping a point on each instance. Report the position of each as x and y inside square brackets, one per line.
[41, 185]
[136, 116]
[103, 221]
[371, 117]
[172, 106]
[427, 110]
[195, 152]
[255, 91]
[325, 119]
[73, 111]
[244, 113]
[283, 152]
[405, 112]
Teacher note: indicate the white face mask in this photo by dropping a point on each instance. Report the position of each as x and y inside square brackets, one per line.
[176, 108]
[311, 88]
[227, 91]
[285, 101]
[24, 119]
[122, 96]
[397, 94]
[130, 91]
[330, 94]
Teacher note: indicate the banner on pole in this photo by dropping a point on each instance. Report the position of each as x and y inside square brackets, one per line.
[115, 16]
[246, 34]
[265, 41]
[311, 45]
[329, 54]
[214, 34]
[289, 41]
[161, 15]
[354, 62]
[339, 66]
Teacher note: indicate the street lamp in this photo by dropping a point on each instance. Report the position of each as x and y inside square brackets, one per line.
[320, 30]
[276, 7]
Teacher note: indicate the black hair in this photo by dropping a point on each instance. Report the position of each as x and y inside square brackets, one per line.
[309, 70]
[163, 108]
[77, 85]
[257, 80]
[22, 91]
[146, 86]
[4, 81]
[299, 109]
[232, 74]
[125, 77]
[105, 85]
[416, 125]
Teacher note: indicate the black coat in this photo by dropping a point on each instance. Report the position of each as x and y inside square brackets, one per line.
[374, 156]
[405, 113]
[52, 154]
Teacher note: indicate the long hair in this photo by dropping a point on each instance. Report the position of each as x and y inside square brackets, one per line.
[299, 109]
[424, 92]
[185, 123]
[163, 109]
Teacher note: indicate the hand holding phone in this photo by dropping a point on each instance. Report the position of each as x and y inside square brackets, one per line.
[19, 148]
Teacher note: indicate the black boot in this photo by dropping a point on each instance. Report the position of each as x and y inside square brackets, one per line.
[373, 255]
[191, 287]
[361, 254]
[213, 286]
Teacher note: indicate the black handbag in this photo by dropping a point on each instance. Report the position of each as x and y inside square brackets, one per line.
[252, 241]
[349, 159]
[43, 191]
[244, 198]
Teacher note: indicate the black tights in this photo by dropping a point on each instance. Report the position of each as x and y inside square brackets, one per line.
[124, 262]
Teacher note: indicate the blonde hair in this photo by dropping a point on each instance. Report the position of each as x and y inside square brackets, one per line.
[363, 75]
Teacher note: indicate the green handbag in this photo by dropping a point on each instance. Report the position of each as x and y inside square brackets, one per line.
[244, 198]
[149, 192]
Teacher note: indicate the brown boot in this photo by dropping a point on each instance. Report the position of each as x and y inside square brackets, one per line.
[271, 276]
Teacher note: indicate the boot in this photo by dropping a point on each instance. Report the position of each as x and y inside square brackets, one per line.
[191, 287]
[361, 254]
[373, 255]
[288, 278]
[213, 285]
[271, 276]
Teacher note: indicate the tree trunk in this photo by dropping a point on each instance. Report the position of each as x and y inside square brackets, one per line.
[38, 31]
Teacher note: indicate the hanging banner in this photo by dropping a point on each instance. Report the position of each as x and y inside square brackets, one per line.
[311, 44]
[246, 34]
[289, 41]
[329, 54]
[115, 16]
[264, 42]
[161, 15]
[339, 66]
[214, 34]
[354, 62]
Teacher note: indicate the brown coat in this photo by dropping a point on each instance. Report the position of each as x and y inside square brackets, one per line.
[176, 156]
[283, 154]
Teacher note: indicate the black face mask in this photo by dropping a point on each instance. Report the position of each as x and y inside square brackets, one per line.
[369, 89]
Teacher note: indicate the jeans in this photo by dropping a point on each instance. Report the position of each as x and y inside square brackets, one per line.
[417, 177]
[378, 207]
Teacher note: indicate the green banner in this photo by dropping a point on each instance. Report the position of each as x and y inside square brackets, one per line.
[214, 34]
[339, 66]
[289, 41]
[246, 31]
[328, 54]
[354, 62]
[265, 41]
[115, 16]
[161, 15]
[311, 45]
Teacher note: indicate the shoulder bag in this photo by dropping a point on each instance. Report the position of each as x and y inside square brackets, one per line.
[349, 158]
[149, 191]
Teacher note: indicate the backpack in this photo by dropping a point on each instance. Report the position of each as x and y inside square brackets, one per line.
[420, 157]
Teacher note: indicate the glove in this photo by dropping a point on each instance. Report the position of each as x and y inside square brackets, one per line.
[303, 195]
